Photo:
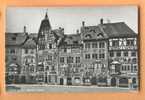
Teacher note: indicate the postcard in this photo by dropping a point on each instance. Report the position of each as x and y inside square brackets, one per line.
[72, 49]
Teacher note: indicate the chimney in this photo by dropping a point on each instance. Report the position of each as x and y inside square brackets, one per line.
[83, 23]
[24, 29]
[77, 31]
[101, 21]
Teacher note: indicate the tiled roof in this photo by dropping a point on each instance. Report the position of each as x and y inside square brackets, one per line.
[71, 39]
[30, 43]
[119, 29]
[33, 35]
[15, 38]
[107, 30]
[59, 32]
[93, 33]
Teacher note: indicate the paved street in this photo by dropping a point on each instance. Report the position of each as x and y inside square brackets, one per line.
[52, 88]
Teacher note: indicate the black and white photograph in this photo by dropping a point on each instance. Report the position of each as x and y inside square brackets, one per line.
[72, 49]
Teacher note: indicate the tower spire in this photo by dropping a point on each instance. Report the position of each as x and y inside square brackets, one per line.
[46, 16]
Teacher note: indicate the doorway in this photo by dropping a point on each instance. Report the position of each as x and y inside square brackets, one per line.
[113, 81]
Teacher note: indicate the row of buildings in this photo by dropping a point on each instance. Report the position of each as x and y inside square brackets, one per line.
[105, 55]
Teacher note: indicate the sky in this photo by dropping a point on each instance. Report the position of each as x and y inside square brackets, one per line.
[69, 18]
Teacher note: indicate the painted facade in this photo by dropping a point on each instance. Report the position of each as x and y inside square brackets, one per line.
[104, 55]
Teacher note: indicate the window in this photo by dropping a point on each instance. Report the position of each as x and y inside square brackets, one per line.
[14, 58]
[101, 45]
[31, 68]
[128, 67]
[65, 50]
[125, 53]
[94, 45]
[14, 38]
[87, 56]
[124, 68]
[75, 42]
[50, 46]
[111, 54]
[32, 60]
[134, 60]
[77, 59]
[130, 42]
[49, 57]
[69, 59]
[61, 59]
[101, 55]
[94, 56]
[135, 68]
[118, 54]
[26, 51]
[12, 51]
[87, 45]
[115, 43]
[133, 53]
[32, 51]
[53, 68]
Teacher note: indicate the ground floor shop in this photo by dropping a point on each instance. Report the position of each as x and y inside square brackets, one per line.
[123, 81]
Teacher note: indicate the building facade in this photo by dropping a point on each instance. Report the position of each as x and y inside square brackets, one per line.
[95, 54]
[70, 60]
[14, 42]
[28, 70]
[104, 55]
[123, 56]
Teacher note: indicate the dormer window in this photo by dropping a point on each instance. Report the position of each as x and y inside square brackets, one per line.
[100, 34]
[88, 36]
[92, 30]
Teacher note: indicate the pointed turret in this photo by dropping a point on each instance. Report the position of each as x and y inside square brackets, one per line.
[44, 30]
[46, 16]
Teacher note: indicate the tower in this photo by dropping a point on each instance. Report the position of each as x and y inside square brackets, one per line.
[43, 32]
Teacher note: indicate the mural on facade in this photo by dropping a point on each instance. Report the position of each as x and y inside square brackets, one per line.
[102, 55]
